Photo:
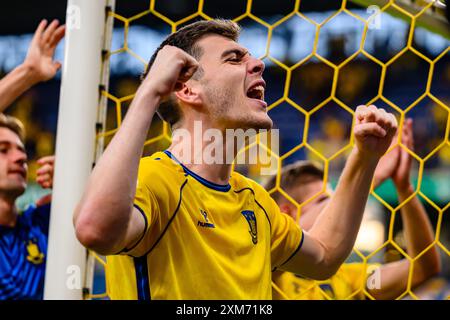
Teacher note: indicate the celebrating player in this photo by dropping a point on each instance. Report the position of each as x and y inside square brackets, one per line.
[194, 229]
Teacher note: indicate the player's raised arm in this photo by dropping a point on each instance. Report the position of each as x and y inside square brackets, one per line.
[331, 239]
[105, 219]
[38, 65]
[417, 229]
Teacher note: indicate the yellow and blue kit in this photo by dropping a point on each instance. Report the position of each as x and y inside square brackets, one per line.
[202, 240]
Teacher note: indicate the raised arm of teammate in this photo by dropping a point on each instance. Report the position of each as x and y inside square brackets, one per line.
[328, 243]
[417, 229]
[105, 219]
[38, 65]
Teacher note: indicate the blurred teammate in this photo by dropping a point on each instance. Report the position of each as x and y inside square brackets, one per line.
[304, 179]
[193, 229]
[23, 236]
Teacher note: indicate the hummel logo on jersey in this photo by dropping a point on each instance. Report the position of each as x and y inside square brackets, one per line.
[205, 224]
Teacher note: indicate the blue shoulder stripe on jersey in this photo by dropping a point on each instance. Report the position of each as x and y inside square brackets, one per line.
[143, 233]
[209, 184]
[296, 250]
[142, 279]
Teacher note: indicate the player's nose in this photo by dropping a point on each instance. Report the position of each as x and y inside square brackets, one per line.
[256, 66]
[19, 157]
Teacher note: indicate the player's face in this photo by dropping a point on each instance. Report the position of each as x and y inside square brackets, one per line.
[311, 210]
[232, 86]
[13, 167]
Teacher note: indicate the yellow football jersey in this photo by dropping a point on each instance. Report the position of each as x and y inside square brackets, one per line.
[347, 283]
[202, 240]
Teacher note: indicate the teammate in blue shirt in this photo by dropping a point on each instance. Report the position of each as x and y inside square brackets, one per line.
[24, 236]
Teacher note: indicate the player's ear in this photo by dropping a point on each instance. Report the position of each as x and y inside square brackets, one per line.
[289, 209]
[189, 94]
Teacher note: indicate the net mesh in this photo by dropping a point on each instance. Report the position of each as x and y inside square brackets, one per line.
[315, 116]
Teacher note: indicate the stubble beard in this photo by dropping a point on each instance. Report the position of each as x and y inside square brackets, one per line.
[225, 99]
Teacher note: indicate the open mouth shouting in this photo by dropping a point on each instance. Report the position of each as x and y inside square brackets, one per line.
[256, 92]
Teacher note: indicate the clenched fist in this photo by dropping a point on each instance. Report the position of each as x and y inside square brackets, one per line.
[171, 68]
[374, 130]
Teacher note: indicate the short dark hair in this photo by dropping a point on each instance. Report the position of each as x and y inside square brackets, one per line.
[293, 175]
[186, 39]
[13, 124]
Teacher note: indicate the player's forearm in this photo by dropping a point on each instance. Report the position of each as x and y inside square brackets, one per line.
[15, 83]
[419, 235]
[393, 279]
[105, 210]
[338, 224]
[418, 232]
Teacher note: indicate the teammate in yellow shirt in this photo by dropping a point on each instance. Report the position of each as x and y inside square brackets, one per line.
[304, 179]
[184, 227]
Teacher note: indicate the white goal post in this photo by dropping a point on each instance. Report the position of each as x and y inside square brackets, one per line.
[83, 76]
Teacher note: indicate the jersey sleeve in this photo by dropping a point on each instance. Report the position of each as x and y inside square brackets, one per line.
[287, 236]
[146, 204]
[156, 197]
[145, 201]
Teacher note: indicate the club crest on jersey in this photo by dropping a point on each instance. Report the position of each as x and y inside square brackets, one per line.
[206, 223]
[251, 219]
[34, 255]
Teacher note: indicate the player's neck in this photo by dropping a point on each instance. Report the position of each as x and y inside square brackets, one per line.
[218, 173]
[8, 211]
[205, 151]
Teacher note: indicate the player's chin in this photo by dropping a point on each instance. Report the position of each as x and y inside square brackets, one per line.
[258, 119]
[256, 122]
[263, 122]
[17, 188]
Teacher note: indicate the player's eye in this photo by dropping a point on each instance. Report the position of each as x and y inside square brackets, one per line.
[234, 59]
